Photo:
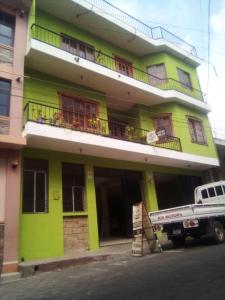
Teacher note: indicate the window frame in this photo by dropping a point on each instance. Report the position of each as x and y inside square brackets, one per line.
[193, 120]
[187, 86]
[118, 59]
[77, 49]
[36, 171]
[157, 80]
[83, 101]
[73, 187]
[12, 26]
[8, 95]
[169, 116]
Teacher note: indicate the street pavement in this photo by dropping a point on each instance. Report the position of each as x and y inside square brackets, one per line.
[195, 272]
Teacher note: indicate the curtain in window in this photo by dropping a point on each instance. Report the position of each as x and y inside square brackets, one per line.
[184, 78]
[157, 74]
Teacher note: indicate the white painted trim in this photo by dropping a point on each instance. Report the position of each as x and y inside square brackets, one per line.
[169, 95]
[72, 141]
[133, 31]
[219, 142]
[10, 262]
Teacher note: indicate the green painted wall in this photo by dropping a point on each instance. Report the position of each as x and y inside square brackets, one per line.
[41, 235]
[180, 115]
[44, 89]
[58, 26]
[40, 91]
[31, 17]
[171, 64]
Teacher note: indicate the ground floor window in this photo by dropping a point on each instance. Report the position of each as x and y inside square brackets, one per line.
[35, 186]
[73, 187]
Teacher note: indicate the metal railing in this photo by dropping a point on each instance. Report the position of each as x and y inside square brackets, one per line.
[98, 57]
[54, 116]
[154, 33]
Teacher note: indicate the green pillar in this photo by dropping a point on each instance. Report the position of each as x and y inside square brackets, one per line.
[149, 191]
[91, 207]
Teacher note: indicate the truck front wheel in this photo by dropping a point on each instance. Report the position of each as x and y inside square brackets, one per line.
[218, 232]
[178, 241]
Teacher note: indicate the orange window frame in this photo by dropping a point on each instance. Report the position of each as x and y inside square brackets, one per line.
[84, 101]
[129, 65]
[169, 115]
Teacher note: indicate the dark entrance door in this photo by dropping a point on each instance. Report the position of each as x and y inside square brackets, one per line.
[116, 191]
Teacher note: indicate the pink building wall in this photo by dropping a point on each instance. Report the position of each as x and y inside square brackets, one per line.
[11, 141]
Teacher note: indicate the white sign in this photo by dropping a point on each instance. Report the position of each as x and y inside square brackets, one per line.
[137, 242]
[151, 137]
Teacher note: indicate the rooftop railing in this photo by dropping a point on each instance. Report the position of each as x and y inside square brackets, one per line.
[154, 33]
[67, 44]
[54, 116]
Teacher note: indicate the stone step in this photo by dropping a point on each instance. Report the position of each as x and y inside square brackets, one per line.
[9, 277]
[31, 268]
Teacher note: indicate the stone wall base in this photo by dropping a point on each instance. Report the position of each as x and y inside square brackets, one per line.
[75, 234]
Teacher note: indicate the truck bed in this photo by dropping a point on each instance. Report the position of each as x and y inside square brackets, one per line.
[181, 213]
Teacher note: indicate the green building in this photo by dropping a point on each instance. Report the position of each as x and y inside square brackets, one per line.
[113, 115]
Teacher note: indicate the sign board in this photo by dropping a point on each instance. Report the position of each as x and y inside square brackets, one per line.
[151, 137]
[137, 242]
[142, 226]
[161, 133]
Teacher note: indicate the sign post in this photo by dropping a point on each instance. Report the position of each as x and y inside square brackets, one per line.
[142, 227]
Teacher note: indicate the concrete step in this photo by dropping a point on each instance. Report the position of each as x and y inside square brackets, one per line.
[31, 268]
[9, 277]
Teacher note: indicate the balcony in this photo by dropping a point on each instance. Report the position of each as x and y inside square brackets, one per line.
[48, 53]
[126, 31]
[98, 57]
[54, 116]
[51, 128]
[156, 33]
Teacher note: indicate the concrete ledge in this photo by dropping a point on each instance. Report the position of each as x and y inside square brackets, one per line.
[10, 277]
[30, 268]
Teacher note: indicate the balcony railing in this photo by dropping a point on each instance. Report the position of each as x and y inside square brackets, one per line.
[54, 116]
[98, 57]
[154, 33]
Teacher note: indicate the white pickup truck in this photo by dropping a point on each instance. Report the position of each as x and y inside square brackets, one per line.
[204, 218]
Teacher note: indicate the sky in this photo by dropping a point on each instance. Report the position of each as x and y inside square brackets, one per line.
[189, 20]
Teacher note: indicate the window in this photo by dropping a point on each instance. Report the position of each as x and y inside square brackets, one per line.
[35, 180]
[73, 187]
[77, 48]
[163, 126]
[219, 190]
[196, 131]
[79, 113]
[117, 129]
[157, 74]
[184, 78]
[123, 66]
[204, 194]
[5, 88]
[7, 24]
[211, 192]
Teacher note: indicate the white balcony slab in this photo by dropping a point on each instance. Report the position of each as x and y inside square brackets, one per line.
[59, 139]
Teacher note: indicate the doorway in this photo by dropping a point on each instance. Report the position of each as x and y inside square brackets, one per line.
[175, 190]
[116, 192]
